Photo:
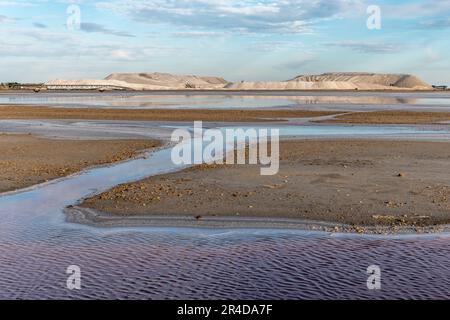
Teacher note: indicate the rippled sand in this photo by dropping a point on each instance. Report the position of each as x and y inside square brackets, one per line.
[247, 264]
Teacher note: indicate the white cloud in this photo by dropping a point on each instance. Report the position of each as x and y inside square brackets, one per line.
[432, 56]
[275, 45]
[198, 34]
[257, 9]
[91, 27]
[369, 47]
[17, 3]
[245, 15]
[6, 19]
[416, 9]
[121, 54]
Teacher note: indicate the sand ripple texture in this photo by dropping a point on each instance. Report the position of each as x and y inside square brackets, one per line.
[204, 264]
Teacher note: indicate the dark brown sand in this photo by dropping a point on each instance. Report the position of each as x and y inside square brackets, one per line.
[38, 112]
[392, 117]
[364, 183]
[27, 160]
[375, 117]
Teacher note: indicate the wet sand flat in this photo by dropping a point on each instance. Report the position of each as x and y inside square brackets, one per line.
[42, 112]
[218, 115]
[28, 160]
[391, 117]
[354, 182]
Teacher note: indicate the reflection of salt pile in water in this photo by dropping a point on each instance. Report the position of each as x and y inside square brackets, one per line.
[340, 81]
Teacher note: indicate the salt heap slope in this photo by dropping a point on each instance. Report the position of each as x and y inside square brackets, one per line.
[164, 81]
[340, 81]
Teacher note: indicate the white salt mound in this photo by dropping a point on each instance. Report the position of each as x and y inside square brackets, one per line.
[170, 81]
[340, 81]
[326, 81]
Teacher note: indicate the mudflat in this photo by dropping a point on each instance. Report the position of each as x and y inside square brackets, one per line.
[352, 182]
[391, 117]
[28, 160]
[42, 112]
[233, 115]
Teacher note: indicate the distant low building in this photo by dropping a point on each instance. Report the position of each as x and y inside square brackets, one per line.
[440, 87]
[82, 87]
[85, 85]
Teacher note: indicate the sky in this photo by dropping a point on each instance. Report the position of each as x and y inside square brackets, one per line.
[252, 40]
